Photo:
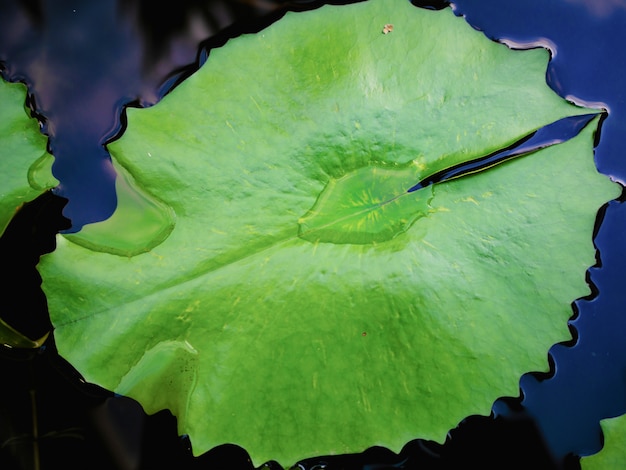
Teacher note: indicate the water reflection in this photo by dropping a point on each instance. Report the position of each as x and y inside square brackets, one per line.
[601, 8]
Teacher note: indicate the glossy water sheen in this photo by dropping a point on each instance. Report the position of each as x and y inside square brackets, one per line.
[365, 206]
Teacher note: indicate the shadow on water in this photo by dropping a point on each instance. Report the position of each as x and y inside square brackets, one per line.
[84, 64]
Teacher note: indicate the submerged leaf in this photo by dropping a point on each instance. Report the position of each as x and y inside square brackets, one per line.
[364, 206]
[305, 303]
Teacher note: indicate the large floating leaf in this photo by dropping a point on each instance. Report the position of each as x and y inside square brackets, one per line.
[304, 302]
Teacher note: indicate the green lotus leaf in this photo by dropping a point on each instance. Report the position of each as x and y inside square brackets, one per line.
[25, 162]
[613, 453]
[305, 303]
[25, 174]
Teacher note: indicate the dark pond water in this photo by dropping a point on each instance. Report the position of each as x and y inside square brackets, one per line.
[83, 63]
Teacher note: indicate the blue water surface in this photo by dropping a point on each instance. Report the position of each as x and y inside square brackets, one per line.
[83, 62]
